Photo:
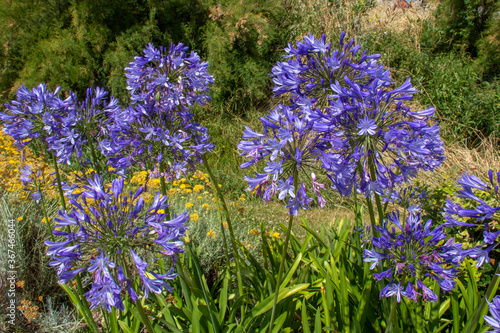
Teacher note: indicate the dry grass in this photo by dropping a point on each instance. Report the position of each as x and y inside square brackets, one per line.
[460, 159]
[392, 16]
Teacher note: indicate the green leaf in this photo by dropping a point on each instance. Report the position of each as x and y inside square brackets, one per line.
[305, 319]
[125, 328]
[267, 304]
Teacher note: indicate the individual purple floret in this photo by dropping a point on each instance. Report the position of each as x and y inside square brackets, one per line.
[292, 151]
[111, 231]
[411, 254]
[474, 211]
[494, 320]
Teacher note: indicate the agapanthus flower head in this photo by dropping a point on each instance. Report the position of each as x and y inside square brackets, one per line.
[80, 121]
[313, 65]
[479, 206]
[147, 138]
[292, 152]
[412, 253]
[28, 116]
[494, 320]
[168, 77]
[159, 127]
[374, 140]
[115, 237]
[379, 141]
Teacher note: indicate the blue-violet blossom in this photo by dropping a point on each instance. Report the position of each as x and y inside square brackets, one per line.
[113, 232]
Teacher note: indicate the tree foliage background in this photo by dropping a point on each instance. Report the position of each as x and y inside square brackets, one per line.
[80, 44]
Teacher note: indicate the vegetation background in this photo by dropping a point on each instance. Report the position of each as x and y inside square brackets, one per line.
[450, 49]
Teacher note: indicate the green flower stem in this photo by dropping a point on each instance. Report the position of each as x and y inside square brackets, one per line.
[391, 316]
[221, 201]
[44, 209]
[144, 317]
[59, 183]
[164, 186]
[221, 220]
[369, 203]
[285, 250]
[90, 141]
[483, 309]
[113, 320]
[373, 175]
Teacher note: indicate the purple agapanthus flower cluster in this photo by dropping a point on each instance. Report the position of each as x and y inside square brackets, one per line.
[413, 253]
[366, 138]
[481, 206]
[164, 85]
[63, 126]
[292, 150]
[115, 236]
[379, 141]
[313, 65]
[29, 115]
[80, 122]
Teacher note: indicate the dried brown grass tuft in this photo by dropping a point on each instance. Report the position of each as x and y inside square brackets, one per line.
[459, 159]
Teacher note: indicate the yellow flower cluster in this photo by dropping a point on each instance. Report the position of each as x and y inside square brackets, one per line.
[29, 311]
[12, 160]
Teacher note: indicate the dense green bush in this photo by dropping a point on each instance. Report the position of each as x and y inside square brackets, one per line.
[450, 82]
[82, 44]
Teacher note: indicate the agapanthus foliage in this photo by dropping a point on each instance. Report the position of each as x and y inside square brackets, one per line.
[292, 152]
[164, 85]
[115, 237]
[479, 207]
[494, 319]
[413, 254]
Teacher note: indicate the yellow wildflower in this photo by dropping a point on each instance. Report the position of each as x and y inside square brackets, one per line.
[275, 235]
[255, 232]
[198, 188]
[189, 205]
[211, 234]
[194, 217]
[207, 206]
[225, 225]
[20, 218]
[20, 284]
